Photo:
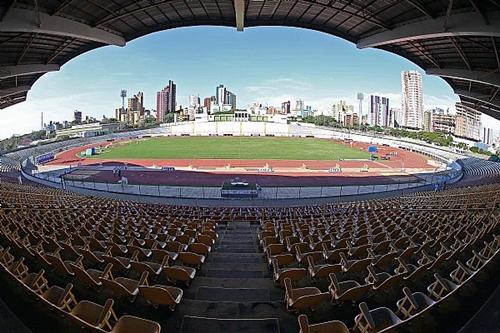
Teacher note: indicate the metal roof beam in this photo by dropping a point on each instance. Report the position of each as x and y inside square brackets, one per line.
[19, 70]
[11, 101]
[420, 7]
[488, 110]
[482, 98]
[488, 78]
[239, 7]
[23, 20]
[7, 6]
[463, 24]
[12, 91]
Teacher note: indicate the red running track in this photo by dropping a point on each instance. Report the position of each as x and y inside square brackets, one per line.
[193, 178]
[210, 177]
[406, 158]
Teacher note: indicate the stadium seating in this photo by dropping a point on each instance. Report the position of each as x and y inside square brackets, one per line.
[62, 300]
[374, 255]
[396, 259]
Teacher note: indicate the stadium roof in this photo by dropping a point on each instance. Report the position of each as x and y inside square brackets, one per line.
[455, 39]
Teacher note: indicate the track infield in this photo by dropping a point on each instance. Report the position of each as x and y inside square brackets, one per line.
[233, 148]
[288, 171]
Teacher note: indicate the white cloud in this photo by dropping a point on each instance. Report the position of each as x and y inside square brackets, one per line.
[272, 87]
[26, 117]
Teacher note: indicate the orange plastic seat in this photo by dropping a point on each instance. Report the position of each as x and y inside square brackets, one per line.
[192, 259]
[176, 274]
[321, 271]
[349, 290]
[369, 321]
[94, 314]
[334, 326]
[161, 295]
[441, 287]
[413, 303]
[298, 299]
[131, 324]
[295, 274]
[91, 277]
[121, 287]
[59, 297]
[199, 248]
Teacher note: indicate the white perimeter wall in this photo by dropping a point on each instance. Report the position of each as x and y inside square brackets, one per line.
[246, 129]
[297, 130]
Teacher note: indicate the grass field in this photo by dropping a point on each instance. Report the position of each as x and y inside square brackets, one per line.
[249, 148]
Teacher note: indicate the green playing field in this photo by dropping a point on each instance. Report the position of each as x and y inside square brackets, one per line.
[249, 148]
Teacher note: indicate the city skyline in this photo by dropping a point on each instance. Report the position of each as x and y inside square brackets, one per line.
[271, 73]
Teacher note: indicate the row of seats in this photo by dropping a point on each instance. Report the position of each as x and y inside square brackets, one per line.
[122, 250]
[15, 195]
[370, 262]
[367, 250]
[83, 313]
[135, 253]
[413, 305]
[480, 167]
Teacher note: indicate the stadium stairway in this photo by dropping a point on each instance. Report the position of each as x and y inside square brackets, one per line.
[234, 291]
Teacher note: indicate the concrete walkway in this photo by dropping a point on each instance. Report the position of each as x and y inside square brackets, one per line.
[9, 322]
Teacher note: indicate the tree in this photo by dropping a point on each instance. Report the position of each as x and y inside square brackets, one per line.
[169, 118]
[494, 158]
[149, 120]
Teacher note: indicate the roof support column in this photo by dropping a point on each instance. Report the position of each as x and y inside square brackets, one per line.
[239, 7]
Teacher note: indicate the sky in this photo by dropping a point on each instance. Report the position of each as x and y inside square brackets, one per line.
[268, 65]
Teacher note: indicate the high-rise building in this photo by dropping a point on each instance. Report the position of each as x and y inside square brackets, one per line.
[166, 101]
[194, 101]
[286, 107]
[487, 136]
[374, 110]
[386, 118]
[230, 99]
[344, 114]
[394, 114]
[467, 122]
[412, 108]
[437, 111]
[361, 97]
[443, 122]
[225, 97]
[77, 117]
[427, 124]
[208, 102]
[380, 111]
[121, 115]
[220, 94]
[299, 107]
[135, 110]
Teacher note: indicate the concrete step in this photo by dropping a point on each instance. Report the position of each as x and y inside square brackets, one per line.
[209, 325]
[244, 258]
[236, 266]
[234, 310]
[235, 249]
[226, 240]
[202, 281]
[234, 274]
[233, 294]
[250, 232]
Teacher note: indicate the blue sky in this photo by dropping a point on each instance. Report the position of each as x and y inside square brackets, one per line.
[266, 65]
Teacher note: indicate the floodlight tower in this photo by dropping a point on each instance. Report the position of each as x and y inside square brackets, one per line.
[361, 97]
[123, 95]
